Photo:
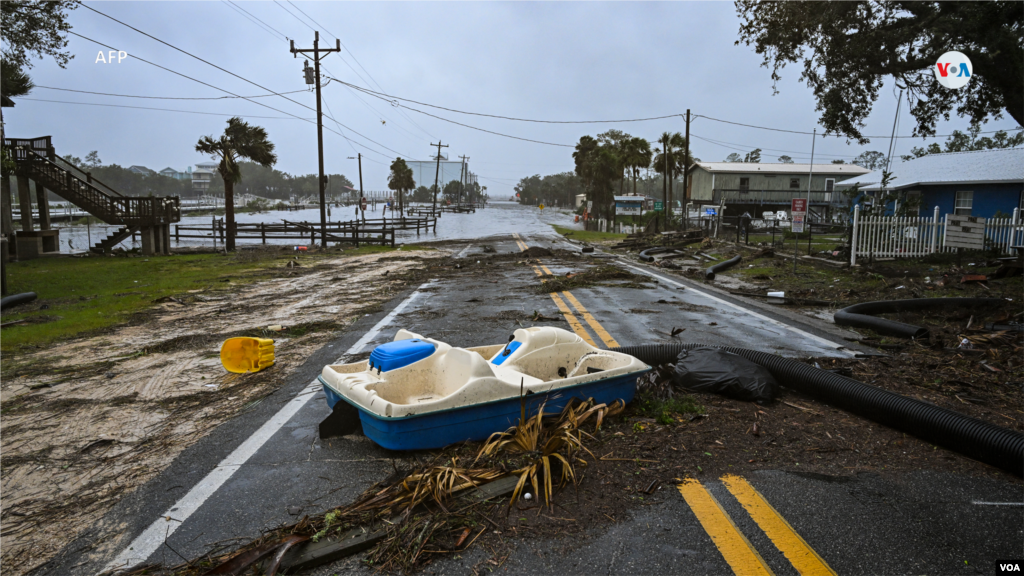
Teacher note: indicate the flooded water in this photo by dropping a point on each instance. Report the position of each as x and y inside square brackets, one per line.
[496, 218]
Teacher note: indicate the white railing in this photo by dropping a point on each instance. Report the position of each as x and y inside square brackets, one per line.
[908, 237]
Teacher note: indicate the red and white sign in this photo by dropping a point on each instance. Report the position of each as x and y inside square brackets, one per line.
[798, 208]
[362, 204]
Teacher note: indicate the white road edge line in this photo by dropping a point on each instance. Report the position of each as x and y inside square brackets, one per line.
[980, 503]
[464, 250]
[152, 537]
[818, 339]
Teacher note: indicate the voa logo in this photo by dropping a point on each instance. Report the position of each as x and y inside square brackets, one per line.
[1007, 567]
[953, 70]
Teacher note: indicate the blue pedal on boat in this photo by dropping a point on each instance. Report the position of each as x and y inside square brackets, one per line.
[418, 393]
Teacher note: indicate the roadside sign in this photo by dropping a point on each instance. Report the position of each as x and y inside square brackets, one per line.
[659, 206]
[362, 204]
[964, 232]
[590, 205]
[629, 205]
[798, 207]
[710, 211]
[541, 206]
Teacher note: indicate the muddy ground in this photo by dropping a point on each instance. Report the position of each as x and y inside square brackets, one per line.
[89, 419]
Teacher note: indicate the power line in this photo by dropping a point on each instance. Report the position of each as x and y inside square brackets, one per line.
[285, 37]
[166, 97]
[468, 126]
[358, 63]
[247, 16]
[383, 96]
[161, 109]
[275, 30]
[215, 87]
[748, 147]
[289, 12]
[232, 74]
[837, 135]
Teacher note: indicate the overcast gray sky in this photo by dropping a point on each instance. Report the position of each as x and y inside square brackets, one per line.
[552, 61]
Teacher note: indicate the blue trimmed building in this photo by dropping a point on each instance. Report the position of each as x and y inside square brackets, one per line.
[981, 183]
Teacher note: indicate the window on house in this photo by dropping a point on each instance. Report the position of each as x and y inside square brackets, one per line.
[794, 183]
[913, 203]
[744, 184]
[964, 203]
[830, 184]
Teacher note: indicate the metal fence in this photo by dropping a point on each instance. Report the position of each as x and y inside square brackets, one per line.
[908, 237]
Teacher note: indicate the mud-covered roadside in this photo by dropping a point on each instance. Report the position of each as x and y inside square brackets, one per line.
[89, 419]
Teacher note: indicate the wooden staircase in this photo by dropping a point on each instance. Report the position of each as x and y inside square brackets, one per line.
[36, 160]
[113, 239]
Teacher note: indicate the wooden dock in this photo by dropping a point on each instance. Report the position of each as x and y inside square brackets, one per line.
[370, 231]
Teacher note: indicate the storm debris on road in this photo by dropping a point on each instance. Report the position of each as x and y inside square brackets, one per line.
[606, 275]
[414, 515]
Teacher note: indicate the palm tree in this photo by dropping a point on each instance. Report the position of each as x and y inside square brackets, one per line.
[638, 155]
[670, 161]
[240, 140]
[584, 158]
[400, 180]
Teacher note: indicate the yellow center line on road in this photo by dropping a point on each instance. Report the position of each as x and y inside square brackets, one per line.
[537, 270]
[571, 319]
[734, 546]
[545, 268]
[806, 561]
[598, 329]
[522, 245]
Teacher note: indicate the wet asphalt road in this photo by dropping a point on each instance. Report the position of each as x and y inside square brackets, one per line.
[922, 523]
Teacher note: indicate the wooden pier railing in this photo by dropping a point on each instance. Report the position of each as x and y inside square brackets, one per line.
[370, 231]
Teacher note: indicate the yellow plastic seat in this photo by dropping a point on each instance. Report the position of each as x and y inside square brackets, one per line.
[243, 354]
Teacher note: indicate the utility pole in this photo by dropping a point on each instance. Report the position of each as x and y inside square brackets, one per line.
[664, 183]
[317, 51]
[462, 178]
[437, 173]
[686, 172]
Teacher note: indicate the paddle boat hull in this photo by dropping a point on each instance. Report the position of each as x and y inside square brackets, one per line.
[448, 395]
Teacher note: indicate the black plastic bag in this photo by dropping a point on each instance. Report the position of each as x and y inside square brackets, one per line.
[715, 370]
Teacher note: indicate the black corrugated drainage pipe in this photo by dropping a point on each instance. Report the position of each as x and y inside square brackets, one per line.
[860, 315]
[710, 272]
[969, 436]
[15, 299]
[646, 254]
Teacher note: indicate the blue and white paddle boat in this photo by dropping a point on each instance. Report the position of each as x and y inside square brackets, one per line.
[418, 393]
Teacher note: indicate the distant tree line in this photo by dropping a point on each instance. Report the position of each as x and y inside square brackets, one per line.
[129, 183]
[272, 183]
[471, 192]
[256, 180]
[611, 163]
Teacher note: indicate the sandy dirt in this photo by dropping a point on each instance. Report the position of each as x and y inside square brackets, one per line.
[86, 421]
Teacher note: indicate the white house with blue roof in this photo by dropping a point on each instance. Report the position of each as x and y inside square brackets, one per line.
[980, 183]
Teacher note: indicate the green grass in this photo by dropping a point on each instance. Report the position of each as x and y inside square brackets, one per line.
[90, 294]
[662, 410]
[588, 236]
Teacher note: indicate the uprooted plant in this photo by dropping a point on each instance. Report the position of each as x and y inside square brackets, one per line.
[550, 448]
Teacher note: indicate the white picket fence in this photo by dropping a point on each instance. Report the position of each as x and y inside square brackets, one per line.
[908, 237]
[602, 225]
